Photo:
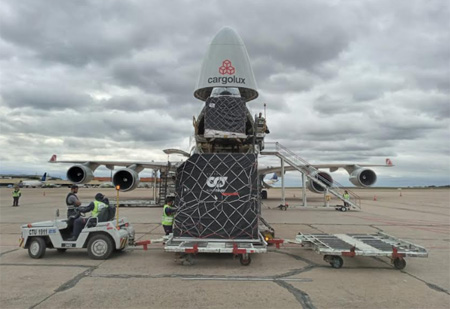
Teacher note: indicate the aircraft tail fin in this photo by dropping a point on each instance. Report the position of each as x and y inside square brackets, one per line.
[52, 159]
[388, 162]
[274, 176]
[44, 177]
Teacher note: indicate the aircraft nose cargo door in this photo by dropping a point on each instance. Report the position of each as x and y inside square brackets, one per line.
[216, 196]
[225, 117]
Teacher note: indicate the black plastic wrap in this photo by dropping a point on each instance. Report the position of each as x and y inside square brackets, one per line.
[216, 196]
[225, 115]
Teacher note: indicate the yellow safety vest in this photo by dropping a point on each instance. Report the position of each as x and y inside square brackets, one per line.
[16, 193]
[98, 206]
[346, 196]
[166, 220]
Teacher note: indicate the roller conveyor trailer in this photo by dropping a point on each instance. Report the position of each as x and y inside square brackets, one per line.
[188, 247]
[333, 246]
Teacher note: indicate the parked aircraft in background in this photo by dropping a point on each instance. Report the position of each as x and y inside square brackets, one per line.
[34, 183]
[269, 182]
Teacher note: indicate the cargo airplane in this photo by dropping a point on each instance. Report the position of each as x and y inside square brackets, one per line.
[225, 125]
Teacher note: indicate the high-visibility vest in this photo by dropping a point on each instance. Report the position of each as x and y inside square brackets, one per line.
[346, 196]
[98, 206]
[166, 219]
[16, 193]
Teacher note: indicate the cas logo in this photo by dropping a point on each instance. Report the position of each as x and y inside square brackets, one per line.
[216, 182]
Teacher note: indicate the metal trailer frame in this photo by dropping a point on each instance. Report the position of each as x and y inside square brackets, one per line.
[188, 247]
[333, 246]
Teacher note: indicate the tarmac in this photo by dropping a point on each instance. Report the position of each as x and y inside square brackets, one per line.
[289, 277]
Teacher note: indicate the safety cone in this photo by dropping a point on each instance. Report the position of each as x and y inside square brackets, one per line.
[374, 197]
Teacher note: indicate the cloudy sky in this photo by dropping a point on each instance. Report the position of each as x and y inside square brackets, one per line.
[344, 81]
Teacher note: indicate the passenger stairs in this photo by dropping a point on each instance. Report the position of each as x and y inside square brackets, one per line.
[334, 188]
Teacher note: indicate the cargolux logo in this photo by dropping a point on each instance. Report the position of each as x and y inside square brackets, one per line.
[216, 182]
[227, 68]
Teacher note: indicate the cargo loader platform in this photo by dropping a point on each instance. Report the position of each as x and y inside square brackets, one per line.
[333, 246]
[189, 247]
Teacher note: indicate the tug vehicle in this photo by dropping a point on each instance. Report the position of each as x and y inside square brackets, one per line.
[100, 239]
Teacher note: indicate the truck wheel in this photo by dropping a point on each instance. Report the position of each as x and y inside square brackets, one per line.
[100, 247]
[37, 247]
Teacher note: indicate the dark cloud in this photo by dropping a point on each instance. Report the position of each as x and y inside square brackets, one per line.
[343, 81]
[45, 97]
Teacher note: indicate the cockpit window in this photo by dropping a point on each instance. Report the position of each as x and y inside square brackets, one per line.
[225, 91]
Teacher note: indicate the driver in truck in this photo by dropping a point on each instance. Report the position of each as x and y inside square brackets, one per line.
[98, 208]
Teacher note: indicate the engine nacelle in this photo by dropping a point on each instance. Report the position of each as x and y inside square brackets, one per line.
[127, 179]
[80, 174]
[323, 177]
[363, 177]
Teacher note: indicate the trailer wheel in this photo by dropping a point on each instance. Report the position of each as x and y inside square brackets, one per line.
[399, 263]
[336, 261]
[245, 259]
[37, 247]
[100, 247]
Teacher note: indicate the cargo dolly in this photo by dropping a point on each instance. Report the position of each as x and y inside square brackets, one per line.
[333, 246]
[188, 247]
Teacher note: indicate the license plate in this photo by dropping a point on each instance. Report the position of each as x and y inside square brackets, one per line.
[38, 232]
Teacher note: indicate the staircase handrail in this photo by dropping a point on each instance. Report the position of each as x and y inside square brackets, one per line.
[306, 166]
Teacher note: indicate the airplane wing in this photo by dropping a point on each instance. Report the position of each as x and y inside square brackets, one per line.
[126, 178]
[112, 164]
[333, 167]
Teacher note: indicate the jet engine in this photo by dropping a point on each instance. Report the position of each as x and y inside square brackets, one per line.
[323, 177]
[80, 174]
[363, 177]
[127, 179]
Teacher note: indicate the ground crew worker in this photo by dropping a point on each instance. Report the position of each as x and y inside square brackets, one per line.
[72, 201]
[16, 195]
[97, 207]
[346, 197]
[262, 124]
[168, 215]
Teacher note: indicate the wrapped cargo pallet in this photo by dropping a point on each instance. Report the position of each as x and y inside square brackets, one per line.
[216, 196]
[225, 116]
